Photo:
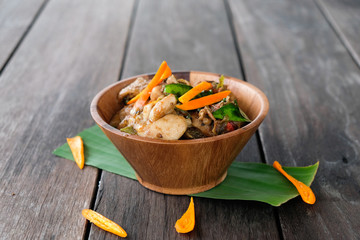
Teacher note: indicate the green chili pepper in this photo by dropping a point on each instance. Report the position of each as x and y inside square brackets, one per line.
[177, 89]
[230, 111]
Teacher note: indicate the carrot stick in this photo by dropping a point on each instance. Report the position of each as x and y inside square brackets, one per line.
[204, 101]
[134, 99]
[77, 148]
[195, 91]
[187, 222]
[162, 73]
[103, 222]
[165, 75]
[305, 192]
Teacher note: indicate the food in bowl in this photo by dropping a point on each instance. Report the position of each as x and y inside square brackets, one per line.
[178, 110]
[181, 166]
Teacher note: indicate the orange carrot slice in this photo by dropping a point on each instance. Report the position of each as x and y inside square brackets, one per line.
[305, 192]
[204, 101]
[103, 222]
[134, 99]
[195, 91]
[77, 148]
[165, 75]
[157, 79]
[187, 222]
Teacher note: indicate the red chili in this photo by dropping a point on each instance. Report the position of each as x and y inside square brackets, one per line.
[230, 126]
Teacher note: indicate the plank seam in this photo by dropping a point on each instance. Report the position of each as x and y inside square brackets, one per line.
[335, 27]
[235, 40]
[260, 146]
[97, 194]
[278, 223]
[257, 134]
[128, 38]
[242, 69]
[41, 8]
[92, 203]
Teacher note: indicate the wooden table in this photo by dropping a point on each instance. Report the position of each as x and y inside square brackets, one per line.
[55, 55]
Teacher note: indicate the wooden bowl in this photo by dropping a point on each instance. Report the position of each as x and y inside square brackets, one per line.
[181, 166]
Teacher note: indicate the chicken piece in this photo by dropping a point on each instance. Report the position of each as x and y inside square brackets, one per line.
[147, 109]
[133, 89]
[125, 111]
[129, 120]
[183, 81]
[171, 80]
[203, 116]
[118, 119]
[157, 92]
[205, 129]
[115, 120]
[162, 107]
[188, 122]
[169, 127]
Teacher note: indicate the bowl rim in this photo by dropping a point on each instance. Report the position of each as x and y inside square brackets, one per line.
[253, 124]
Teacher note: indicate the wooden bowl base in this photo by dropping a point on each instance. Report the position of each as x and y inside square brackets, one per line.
[181, 191]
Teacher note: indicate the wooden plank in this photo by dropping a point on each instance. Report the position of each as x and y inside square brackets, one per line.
[186, 40]
[344, 17]
[15, 18]
[73, 51]
[290, 51]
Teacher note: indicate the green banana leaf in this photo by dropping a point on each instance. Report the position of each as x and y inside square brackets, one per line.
[245, 181]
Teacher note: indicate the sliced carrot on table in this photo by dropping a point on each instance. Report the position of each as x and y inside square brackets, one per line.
[77, 148]
[305, 192]
[195, 91]
[204, 101]
[103, 222]
[187, 222]
[163, 72]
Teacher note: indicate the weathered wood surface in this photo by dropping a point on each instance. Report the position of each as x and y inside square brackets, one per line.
[303, 54]
[344, 17]
[291, 52]
[74, 49]
[16, 16]
[162, 31]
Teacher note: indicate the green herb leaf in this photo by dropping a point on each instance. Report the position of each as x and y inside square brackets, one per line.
[128, 129]
[177, 89]
[245, 181]
[232, 112]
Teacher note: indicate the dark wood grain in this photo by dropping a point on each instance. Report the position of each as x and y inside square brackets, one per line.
[291, 52]
[344, 17]
[173, 31]
[73, 50]
[163, 31]
[16, 17]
